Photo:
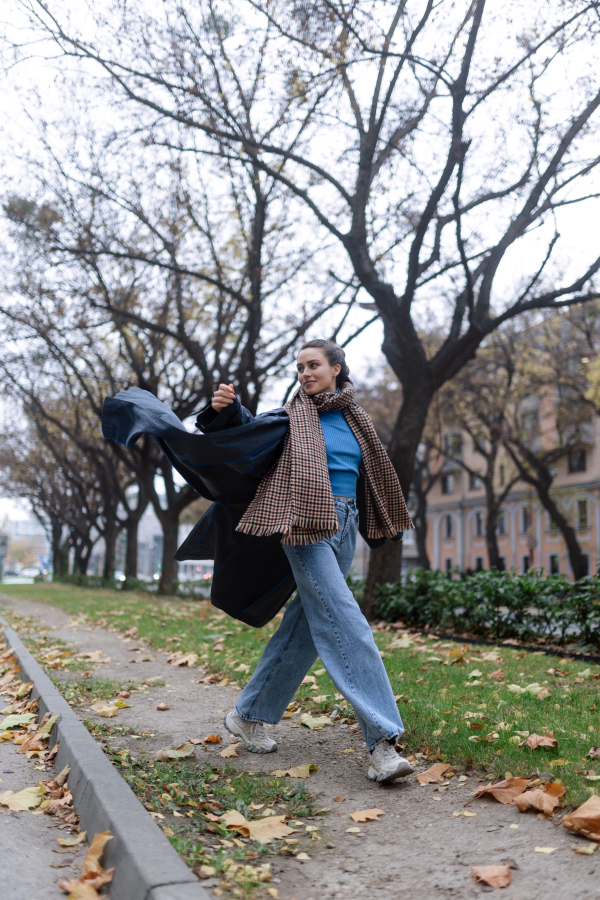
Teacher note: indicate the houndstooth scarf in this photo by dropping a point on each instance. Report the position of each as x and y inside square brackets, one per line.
[294, 498]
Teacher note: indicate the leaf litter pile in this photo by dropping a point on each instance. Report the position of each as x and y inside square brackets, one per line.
[51, 797]
[526, 719]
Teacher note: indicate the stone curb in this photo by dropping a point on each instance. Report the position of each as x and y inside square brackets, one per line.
[146, 865]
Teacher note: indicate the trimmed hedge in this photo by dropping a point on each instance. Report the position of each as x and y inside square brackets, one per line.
[498, 605]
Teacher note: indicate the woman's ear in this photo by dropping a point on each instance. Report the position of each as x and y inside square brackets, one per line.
[336, 370]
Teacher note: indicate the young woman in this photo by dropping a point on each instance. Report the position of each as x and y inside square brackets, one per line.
[331, 459]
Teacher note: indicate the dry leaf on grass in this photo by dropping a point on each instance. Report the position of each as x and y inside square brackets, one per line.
[433, 774]
[183, 751]
[162, 706]
[230, 752]
[586, 819]
[545, 801]
[367, 815]
[213, 739]
[541, 740]
[492, 876]
[108, 712]
[498, 675]
[301, 771]
[503, 791]
[263, 830]
[593, 753]
[315, 722]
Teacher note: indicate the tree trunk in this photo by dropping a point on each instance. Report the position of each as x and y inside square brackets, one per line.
[131, 554]
[111, 531]
[385, 562]
[420, 522]
[60, 551]
[168, 573]
[491, 524]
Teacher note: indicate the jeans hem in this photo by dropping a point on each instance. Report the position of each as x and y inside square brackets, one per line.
[249, 719]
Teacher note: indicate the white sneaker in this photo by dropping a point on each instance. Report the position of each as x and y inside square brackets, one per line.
[386, 764]
[252, 734]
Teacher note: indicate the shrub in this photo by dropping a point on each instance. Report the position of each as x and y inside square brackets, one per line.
[499, 605]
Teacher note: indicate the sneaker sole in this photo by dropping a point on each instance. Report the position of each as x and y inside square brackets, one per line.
[253, 748]
[403, 769]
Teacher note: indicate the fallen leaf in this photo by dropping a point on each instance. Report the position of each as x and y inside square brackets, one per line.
[558, 672]
[13, 721]
[162, 706]
[47, 727]
[492, 876]
[263, 830]
[498, 675]
[593, 753]
[183, 659]
[309, 679]
[475, 674]
[108, 712]
[339, 799]
[91, 863]
[29, 798]
[76, 890]
[72, 841]
[504, 791]
[468, 815]
[348, 751]
[230, 752]
[433, 774]
[315, 722]
[544, 849]
[585, 849]
[183, 751]
[213, 739]
[206, 871]
[545, 801]
[367, 815]
[537, 740]
[352, 830]
[558, 762]
[303, 856]
[301, 771]
[120, 704]
[492, 656]
[586, 819]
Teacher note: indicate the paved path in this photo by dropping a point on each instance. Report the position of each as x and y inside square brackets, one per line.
[418, 850]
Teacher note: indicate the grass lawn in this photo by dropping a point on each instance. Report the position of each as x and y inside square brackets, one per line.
[454, 708]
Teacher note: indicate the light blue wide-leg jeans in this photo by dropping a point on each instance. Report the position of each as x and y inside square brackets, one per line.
[325, 620]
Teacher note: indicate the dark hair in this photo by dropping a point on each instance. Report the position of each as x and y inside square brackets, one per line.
[335, 357]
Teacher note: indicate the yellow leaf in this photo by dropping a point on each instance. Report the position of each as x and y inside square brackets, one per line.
[544, 849]
[354, 751]
[79, 891]
[320, 671]
[303, 856]
[314, 723]
[168, 831]
[28, 798]
[558, 762]
[585, 849]
[301, 771]
[353, 830]
[183, 751]
[72, 841]
[468, 815]
[367, 815]
[91, 864]
[108, 712]
[120, 704]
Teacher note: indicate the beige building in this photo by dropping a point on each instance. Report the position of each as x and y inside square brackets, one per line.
[526, 535]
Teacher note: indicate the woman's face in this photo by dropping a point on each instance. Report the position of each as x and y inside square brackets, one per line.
[315, 374]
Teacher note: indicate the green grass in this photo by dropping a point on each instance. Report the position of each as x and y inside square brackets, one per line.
[435, 696]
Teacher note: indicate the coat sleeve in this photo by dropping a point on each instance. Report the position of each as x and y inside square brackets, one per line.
[209, 420]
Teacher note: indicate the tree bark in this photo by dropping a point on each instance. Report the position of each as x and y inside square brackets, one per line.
[111, 531]
[491, 524]
[384, 567]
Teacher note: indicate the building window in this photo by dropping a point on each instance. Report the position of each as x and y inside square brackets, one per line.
[448, 565]
[585, 564]
[501, 523]
[453, 446]
[474, 482]
[554, 564]
[501, 474]
[478, 524]
[525, 563]
[502, 563]
[582, 515]
[577, 461]
[448, 527]
[447, 484]
[525, 519]
[479, 563]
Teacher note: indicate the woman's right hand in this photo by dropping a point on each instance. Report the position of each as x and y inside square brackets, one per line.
[222, 397]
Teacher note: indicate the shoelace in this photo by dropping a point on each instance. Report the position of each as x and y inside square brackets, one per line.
[257, 729]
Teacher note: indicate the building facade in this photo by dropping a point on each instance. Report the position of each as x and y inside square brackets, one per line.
[526, 535]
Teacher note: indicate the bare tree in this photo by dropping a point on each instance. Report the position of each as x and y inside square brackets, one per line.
[424, 139]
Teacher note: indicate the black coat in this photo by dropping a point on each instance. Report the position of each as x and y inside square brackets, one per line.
[252, 578]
